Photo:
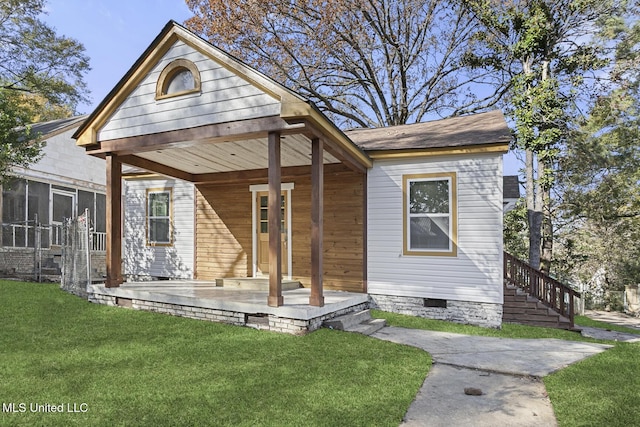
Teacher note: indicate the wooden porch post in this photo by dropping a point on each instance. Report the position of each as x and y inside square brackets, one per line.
[114, 221]
[317, 219]
[275, 218]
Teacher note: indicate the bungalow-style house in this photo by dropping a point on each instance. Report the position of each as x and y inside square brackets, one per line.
[407, 218]
[60, 185]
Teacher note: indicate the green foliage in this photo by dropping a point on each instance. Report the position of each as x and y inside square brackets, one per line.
[35, 59]
[600, 171]
[546, 48]
[147, 369]
[41, 78]
[18, 146]
[516, 231]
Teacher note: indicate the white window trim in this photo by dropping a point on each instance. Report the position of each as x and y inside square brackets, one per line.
[148, 216]
[452, 215]
[259, 188]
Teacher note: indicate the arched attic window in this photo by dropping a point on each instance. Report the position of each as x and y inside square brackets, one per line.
[180, 77]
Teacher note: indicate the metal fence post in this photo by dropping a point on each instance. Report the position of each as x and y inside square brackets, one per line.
[88, 248]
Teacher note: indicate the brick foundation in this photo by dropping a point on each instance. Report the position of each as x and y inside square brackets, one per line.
[472, 313]
[19, 263]
[268, 322]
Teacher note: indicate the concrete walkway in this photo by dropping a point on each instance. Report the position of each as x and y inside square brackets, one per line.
[506, 372]
[614, 318]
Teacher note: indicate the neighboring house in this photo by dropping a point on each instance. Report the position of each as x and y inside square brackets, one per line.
[511, 192]
[60, 185]
[411, 215]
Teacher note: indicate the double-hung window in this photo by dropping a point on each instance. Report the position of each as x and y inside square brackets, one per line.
[159, 217]
[430, 217]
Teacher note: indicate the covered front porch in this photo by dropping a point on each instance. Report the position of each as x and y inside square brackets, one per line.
[189, 111]
[201, 299]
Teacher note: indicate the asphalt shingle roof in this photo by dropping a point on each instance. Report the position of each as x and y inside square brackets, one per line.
[477, 129]
[55, 126]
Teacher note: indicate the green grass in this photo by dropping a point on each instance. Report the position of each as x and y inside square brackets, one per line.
[599, 391]
[139, 368]
[508, 330]
[585, 321]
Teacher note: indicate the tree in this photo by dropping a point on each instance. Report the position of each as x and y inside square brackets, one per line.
[600, 171]
[547, 49]
[515, 231]
[365, 63]
[18, 147]
[41, 77]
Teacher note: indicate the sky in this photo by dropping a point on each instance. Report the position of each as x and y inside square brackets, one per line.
[116, 32]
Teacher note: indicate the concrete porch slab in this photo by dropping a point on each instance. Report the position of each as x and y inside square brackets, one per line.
[203, 299]
[255, 283]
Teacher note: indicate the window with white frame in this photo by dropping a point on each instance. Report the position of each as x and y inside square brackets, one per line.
[430, 217]
[159, 217]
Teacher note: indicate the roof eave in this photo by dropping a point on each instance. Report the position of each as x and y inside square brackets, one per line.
[500, 147]
[294, 110]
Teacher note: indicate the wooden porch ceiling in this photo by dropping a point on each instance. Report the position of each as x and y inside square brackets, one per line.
[235, 155]
[214, 153]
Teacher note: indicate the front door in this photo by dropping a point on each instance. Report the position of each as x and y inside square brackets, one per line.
[263, 233]
[62, 208]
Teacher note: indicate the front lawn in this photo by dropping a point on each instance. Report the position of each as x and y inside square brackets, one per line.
[115, 366]
[602, 390]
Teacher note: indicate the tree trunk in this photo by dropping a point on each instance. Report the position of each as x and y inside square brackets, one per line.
[547, 232]
[534, 213]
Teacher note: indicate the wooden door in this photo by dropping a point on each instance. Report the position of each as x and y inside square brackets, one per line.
[263, 233]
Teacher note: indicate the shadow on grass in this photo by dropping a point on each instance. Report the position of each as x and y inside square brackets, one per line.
[139, 368]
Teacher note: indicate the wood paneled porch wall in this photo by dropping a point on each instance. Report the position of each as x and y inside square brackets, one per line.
[224, 234]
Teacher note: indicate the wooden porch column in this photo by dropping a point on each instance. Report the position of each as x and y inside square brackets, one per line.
[275, 218]
[114, 221]
[317, 219]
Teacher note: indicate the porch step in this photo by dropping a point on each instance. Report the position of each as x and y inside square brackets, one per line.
[255, 283]
[360, 322]
[520, 307]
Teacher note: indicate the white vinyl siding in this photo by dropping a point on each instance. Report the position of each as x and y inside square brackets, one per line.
[64, 163]
[224, 97]
[475, 273]
[158, 260]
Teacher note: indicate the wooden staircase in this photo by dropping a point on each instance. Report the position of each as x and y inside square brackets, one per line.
[533, 298]
[520, 307]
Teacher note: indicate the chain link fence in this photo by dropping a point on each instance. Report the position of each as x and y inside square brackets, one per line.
[76, 255]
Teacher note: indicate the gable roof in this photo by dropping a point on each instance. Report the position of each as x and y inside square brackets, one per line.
[457, 132]
[293, 107]
[485, 132]
[55, 127]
